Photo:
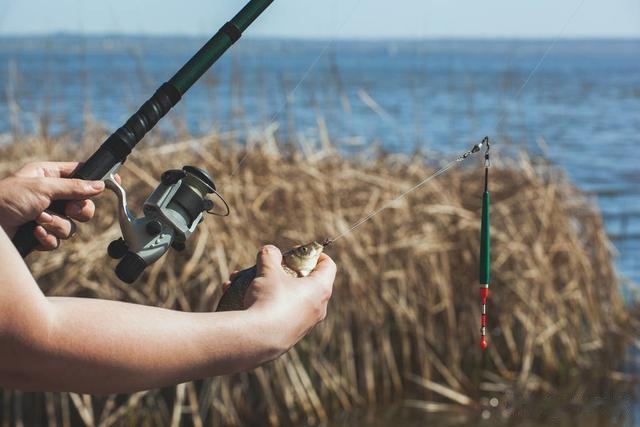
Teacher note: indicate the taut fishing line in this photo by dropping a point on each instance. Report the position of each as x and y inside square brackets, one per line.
[477, 147]
[484, 270]
[397, 199]
[485, 262]
[391, 202]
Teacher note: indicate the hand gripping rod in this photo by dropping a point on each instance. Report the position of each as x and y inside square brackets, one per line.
[114, 151]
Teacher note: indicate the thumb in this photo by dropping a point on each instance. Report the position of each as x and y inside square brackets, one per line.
[70, 189]
[269, 261]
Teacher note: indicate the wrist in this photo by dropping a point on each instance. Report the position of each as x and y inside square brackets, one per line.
[252, 339]
[279, 330]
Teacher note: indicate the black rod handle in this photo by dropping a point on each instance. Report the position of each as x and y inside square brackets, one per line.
[112, 152]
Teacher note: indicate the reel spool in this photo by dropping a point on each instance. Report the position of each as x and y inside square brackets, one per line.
[171, 214]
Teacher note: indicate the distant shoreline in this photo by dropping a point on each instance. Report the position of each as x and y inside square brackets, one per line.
[65, 35]
[113, 43]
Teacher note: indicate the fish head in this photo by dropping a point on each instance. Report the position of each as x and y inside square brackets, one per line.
[303, 259]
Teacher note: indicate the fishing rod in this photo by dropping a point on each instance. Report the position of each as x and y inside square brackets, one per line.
[176, 207]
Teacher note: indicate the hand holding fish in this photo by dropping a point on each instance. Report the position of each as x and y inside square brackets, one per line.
[289, 290]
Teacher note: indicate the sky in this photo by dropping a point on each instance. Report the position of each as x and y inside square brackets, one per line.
[328, 19]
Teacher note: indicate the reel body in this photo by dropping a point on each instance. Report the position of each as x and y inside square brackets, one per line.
[171, 214]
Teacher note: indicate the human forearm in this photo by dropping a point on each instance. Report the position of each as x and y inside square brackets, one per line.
[98, 346]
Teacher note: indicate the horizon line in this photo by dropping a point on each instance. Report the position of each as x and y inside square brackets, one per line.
[496, 37]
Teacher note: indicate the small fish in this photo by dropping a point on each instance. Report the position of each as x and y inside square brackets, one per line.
[297, 262]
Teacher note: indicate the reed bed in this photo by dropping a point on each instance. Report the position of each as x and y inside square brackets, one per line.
[403, 324]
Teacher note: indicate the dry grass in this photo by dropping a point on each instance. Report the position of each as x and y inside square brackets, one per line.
[404, 319]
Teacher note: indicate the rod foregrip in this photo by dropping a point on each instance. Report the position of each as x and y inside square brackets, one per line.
[125, 139]
[112, 152]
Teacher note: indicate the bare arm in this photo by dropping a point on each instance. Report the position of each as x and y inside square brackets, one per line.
[99, 346]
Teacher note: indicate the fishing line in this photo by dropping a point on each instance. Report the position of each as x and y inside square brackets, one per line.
[389, 117]
[392, 120]
[304, 77]
[434, 175]
[392, 201]
[475, 148]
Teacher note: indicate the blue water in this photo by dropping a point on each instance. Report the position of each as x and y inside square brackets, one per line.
[581, 109]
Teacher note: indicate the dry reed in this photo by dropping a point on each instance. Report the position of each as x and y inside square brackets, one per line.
[404, 318]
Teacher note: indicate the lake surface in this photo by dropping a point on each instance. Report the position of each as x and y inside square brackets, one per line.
[581, 109]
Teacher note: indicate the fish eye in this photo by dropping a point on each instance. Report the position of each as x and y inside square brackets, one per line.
[304, 249]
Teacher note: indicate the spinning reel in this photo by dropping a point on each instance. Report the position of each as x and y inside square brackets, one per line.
[171, 214]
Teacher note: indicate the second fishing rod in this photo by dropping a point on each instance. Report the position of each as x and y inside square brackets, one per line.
[115, 149]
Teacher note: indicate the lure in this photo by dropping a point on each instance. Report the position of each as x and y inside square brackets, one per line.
[485, 246]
